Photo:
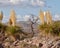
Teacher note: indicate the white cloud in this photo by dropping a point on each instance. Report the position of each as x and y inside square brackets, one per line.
[4, 1]
[23, 2]
[19, 18]
[26, 17]
[38, 3]
[15, 1]
[23, 18]
[56, 17]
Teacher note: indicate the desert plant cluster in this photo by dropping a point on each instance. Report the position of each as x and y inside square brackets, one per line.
[11, 29]
[13, 36]
[48, 25]
[45, 17]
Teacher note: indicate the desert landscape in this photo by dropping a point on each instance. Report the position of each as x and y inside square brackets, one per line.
[29, 24]
[30, 34]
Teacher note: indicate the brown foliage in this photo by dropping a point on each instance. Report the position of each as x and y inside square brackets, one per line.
[41, 16]
[12, 20]
[48, 17]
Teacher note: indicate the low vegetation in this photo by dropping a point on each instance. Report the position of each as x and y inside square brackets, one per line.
[13, 32]
[53, 28]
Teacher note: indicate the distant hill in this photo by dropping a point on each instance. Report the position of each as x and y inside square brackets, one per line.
[26, 26]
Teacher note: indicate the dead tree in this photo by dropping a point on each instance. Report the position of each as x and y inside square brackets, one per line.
[33, 21]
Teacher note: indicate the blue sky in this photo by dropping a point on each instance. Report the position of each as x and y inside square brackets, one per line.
[25, 7]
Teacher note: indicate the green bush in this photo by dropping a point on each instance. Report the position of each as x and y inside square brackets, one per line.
[53, 28]
[13, 29]
[15, 32]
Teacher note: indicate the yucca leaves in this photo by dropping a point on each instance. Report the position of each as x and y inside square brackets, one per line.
[53, 28]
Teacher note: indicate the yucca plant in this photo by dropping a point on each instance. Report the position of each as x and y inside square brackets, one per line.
[12, 19]
[48, 17]
[15, 32]
[43, 26]
[41, 16]
[53, 28]
[11, 31]
[56, 28]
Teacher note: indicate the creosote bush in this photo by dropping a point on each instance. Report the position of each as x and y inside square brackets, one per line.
[53, 28]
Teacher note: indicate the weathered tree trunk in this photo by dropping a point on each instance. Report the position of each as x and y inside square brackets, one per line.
[32, 29]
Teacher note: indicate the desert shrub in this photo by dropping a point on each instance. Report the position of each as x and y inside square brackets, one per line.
[13, 29]
[43, 26]
[56, 28]
[16, 32]
[53, 28]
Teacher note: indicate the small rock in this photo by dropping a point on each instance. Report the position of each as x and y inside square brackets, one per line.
[40, 44]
